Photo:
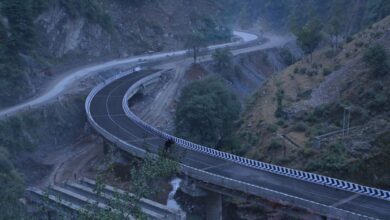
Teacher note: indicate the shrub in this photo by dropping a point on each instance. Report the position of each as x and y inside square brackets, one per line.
[275, 144]
[349, 39]
[333, 159]
[300, 126]
[287, 56]
[307, 151]
[280, 123]
[312, 73]
[305, 94]
[223, 59]
[359, 44]
[264, 58]
[272, 128]
[326, 71]
[376, 59]
[279, 98]
[329, 54]
[378, 102]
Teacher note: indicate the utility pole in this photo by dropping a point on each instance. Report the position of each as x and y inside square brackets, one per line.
[344, 113]
[284, 147]
[346, 121]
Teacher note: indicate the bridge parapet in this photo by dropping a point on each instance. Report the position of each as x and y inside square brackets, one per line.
[298, 174]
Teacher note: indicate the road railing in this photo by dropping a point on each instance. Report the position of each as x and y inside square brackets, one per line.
[201, 174]
[297, 174]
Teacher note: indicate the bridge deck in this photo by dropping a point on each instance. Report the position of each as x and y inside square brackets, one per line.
[107, 111]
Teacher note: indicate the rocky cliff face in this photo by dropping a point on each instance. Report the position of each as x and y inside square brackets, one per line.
[62, 35]
[126, 29]
[71, 33]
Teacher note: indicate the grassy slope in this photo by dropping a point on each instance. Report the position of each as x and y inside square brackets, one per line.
[313, 98]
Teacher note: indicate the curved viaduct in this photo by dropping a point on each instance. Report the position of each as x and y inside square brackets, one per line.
[108, 112]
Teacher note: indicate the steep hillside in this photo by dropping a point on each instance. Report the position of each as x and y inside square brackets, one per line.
[42, 38]
[343, 17]
[287, 118]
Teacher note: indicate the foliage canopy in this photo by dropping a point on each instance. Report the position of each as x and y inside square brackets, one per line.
[206, 112]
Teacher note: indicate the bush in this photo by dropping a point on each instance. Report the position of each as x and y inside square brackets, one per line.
[206, 112]
[287, 56]
[377, 35]
[279, 97]
[326, 71]
[312, 73]
[300, 127]
[329, 54]
[222, 59]
[280, 123]
[264, 58]
[359, 44]
[275, 144]
[272, 128]
[349, 39]
[333, 159]
[305, 94]
[376, 59]
[378, 103]
[383, 141]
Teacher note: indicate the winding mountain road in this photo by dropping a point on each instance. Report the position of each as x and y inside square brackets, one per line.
[107, 114]
[61, 85]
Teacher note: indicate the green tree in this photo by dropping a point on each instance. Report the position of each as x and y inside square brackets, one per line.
[222, 59]
[279, 101]
[206, 112]
[376, 59]
[309, 36]
[195, 42]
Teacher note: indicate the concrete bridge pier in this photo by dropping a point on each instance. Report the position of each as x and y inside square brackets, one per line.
[212, 200]
[214, 206]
